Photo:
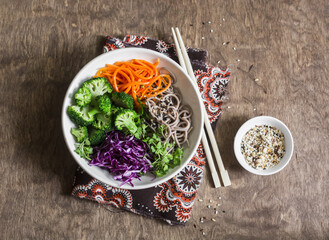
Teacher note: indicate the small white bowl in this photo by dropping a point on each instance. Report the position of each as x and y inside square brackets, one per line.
[270, 121]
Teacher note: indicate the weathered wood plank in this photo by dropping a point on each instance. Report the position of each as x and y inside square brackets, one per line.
[45, 43]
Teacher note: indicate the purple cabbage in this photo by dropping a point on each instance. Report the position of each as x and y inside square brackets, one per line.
[123, 155]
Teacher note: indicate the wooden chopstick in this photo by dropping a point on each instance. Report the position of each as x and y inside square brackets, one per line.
[203, 137]
[224, 174]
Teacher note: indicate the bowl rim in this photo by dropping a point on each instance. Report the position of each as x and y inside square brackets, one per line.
[199, 131]
[241, 133]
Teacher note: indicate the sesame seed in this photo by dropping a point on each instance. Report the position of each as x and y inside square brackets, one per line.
[218, 62]
[218, 204]
[202, 38]
[216, 212]
[255, 109]
[213, 219]
[200, 200]
[256, 80]
[234, 49]
[224, 43]
[209, 22]
[211, 30]
[223, 19]
[228, 108]
[219, 197]
[262, 146]
[238, 60]
[210, 201]
[203, 233]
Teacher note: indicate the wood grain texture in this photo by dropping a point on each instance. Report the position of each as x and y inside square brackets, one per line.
[45, 43]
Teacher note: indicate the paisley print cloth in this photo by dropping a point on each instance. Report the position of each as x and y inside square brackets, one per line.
[173, 200]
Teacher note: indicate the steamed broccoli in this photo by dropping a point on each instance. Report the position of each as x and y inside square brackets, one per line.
[80, 133]
[122, 99]
[103, 121]
[82, 116]
[83, 96]
[115, 109]
[126, 120]
[104, 103]
[97, 137]
[98, 86]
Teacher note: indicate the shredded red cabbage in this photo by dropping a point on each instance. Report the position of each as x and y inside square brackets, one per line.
[123, 155]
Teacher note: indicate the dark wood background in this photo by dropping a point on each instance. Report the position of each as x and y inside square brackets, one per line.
[43, 44]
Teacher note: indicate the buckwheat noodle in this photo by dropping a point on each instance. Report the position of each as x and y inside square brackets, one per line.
[167, 109]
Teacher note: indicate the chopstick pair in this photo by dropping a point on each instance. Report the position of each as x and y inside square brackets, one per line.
[185, 63]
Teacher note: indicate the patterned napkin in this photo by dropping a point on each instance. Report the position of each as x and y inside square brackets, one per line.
[170, 201]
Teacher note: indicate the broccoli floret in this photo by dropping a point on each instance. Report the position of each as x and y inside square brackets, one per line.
[80, 133]
[126, 120]
[82, 116]
[97, 137]
[83, 96]
[98, 86]
[104, 103]
[122, 99]
[115, 109]
[103, 121]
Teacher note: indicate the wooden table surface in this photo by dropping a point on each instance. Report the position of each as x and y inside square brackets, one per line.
[283, 44]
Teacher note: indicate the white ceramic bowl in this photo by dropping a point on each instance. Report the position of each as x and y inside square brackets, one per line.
[270, 121]
[189, 93]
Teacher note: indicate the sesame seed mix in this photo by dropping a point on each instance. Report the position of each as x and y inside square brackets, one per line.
[263, 147]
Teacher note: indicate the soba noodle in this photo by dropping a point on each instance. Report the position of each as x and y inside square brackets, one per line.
[166, 109]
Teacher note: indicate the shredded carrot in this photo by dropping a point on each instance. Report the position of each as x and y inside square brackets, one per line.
[138, 78]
